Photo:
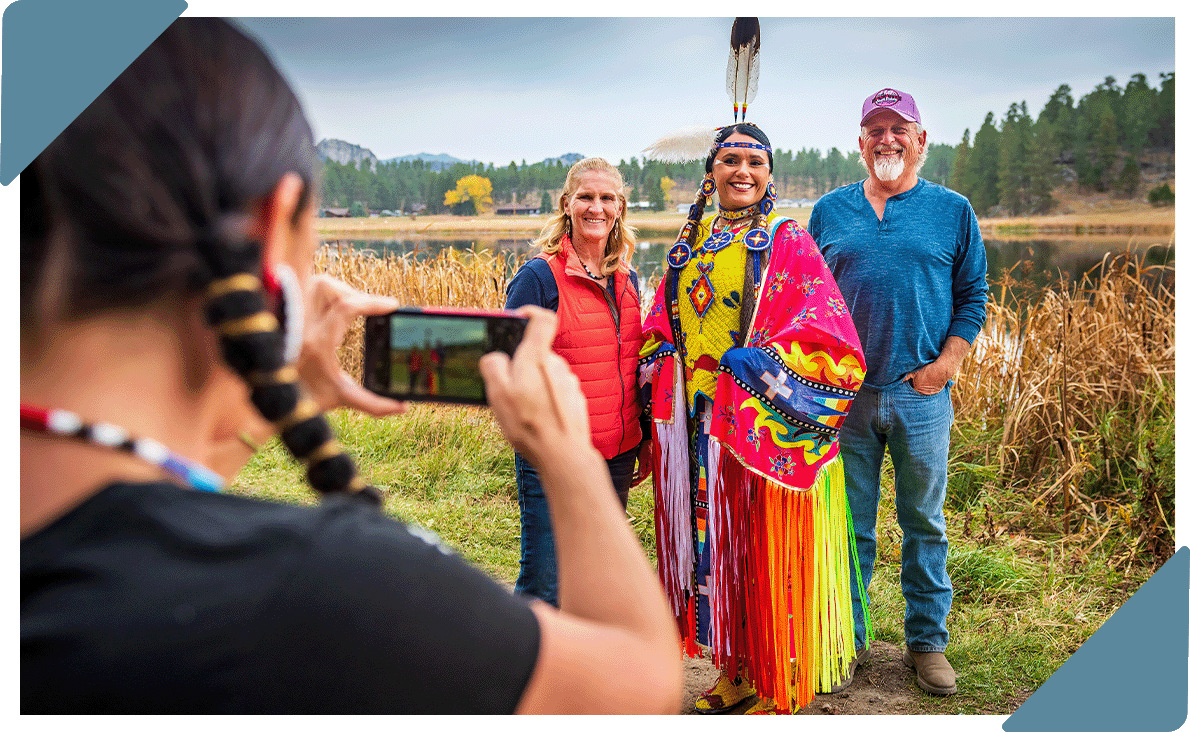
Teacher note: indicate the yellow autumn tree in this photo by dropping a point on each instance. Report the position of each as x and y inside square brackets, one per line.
[667, 185]
[473, 188]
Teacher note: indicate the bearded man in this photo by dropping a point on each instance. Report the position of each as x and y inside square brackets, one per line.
[910, 263]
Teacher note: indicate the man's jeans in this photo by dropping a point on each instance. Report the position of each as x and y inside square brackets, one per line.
[539, 568]
[916, 430]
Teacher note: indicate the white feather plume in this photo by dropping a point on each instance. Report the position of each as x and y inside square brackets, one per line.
[743, 62]
[682, 146]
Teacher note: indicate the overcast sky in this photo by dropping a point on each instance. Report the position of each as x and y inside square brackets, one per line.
[502, 89]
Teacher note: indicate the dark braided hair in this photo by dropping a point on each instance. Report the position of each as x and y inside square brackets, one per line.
[145, 196]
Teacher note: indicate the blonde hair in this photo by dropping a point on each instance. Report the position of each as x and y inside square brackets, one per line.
[621, 243]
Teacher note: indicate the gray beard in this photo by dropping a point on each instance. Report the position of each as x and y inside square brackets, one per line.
[888, 170]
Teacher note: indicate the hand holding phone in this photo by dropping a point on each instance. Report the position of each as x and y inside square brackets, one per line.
[433, 354]
[331, 306]
[537, 399]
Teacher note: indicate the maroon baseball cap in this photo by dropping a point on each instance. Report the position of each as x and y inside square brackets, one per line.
[897, 101]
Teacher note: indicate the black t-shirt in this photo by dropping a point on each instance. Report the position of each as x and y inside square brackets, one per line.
[153, 598]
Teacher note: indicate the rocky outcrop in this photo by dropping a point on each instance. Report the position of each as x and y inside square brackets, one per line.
[344, 152]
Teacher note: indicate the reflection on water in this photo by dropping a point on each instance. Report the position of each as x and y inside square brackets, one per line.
[1039, 262]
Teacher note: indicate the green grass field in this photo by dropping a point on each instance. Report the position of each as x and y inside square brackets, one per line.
[1022, 605]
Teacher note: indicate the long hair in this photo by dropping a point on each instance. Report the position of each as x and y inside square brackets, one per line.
[700, 200]
[621, 243]
[690, 232]
[146, 197]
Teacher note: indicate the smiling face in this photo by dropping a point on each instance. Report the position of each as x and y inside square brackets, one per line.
[593, 207]
[891, 147]
[741, 174]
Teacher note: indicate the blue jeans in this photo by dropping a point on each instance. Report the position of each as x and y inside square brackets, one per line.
[916, 430]
[539, 567]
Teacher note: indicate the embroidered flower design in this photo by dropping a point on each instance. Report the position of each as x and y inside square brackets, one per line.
[753, 438]
[801, 319]
[837, 305]
[778, 282]
[782, 465]
[760, 335]
[727, 414]
[809, 286]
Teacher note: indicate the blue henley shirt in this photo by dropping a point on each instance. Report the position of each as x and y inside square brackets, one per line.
[911, 279]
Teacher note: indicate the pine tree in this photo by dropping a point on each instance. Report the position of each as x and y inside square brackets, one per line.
[1106, 149]
[960, 177]
[1129, 179]
[1014, 133]
[985, 166]
[1041, 153]
[1161, 134]
[1059, 112]
[1140, 113]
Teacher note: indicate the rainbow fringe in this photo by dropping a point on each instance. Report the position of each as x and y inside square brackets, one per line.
[780, 580]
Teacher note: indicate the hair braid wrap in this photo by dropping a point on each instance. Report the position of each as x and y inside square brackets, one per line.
[253, 345]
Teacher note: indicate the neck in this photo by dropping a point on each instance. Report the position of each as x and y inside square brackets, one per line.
[589, 251]
[890, 188]
[132, 370]
[736, 214]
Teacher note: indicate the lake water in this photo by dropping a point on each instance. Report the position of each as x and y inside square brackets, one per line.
[1039, 262]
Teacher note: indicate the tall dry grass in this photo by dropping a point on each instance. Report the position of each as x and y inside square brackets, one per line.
[1064, 410]
[475, 278]
[1072, 388]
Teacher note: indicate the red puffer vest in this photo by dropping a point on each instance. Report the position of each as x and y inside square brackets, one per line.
[600, 354]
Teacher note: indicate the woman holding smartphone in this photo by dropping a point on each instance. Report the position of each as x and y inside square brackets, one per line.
[583, 273]
[167, 239]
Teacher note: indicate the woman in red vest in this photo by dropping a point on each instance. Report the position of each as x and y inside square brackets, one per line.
[583, 274]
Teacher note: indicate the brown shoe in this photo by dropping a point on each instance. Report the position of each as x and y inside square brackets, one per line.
[861, 657]
[934, 673]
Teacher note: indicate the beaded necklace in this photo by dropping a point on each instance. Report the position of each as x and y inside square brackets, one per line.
[62, 423]
[590, 274]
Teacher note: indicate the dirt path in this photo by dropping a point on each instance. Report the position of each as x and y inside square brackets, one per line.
[883, 685]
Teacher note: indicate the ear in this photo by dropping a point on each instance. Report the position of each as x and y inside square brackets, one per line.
[921, 139]
[273, 223]
[563, 203]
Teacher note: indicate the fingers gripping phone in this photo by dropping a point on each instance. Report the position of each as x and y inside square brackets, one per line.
[433, 354]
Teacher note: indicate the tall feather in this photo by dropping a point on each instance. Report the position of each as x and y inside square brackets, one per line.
[743, 65]
[683, 146]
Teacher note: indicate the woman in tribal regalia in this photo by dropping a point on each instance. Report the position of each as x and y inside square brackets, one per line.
[749, 365]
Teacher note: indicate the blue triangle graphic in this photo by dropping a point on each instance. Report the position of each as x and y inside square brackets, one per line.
[58, 56]
[1141, 648]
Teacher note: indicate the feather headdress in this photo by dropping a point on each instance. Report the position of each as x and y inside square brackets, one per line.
[743, 74]
[684, 145]
[743, 64]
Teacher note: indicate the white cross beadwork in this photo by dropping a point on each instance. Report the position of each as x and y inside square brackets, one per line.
[777, 385]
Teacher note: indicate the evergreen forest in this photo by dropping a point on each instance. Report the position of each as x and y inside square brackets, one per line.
[1010, 165]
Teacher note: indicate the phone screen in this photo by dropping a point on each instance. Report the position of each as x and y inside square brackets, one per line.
[431, 355]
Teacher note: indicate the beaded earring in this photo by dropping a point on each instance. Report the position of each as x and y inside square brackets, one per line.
[708, 186]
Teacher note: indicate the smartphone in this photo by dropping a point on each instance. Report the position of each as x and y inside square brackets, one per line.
[432, 354]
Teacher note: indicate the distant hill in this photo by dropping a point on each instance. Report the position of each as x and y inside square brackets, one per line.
[568, 159]
[344, 152]
[436, 162]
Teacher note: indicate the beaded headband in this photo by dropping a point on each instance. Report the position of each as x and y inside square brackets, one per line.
[749, 145]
